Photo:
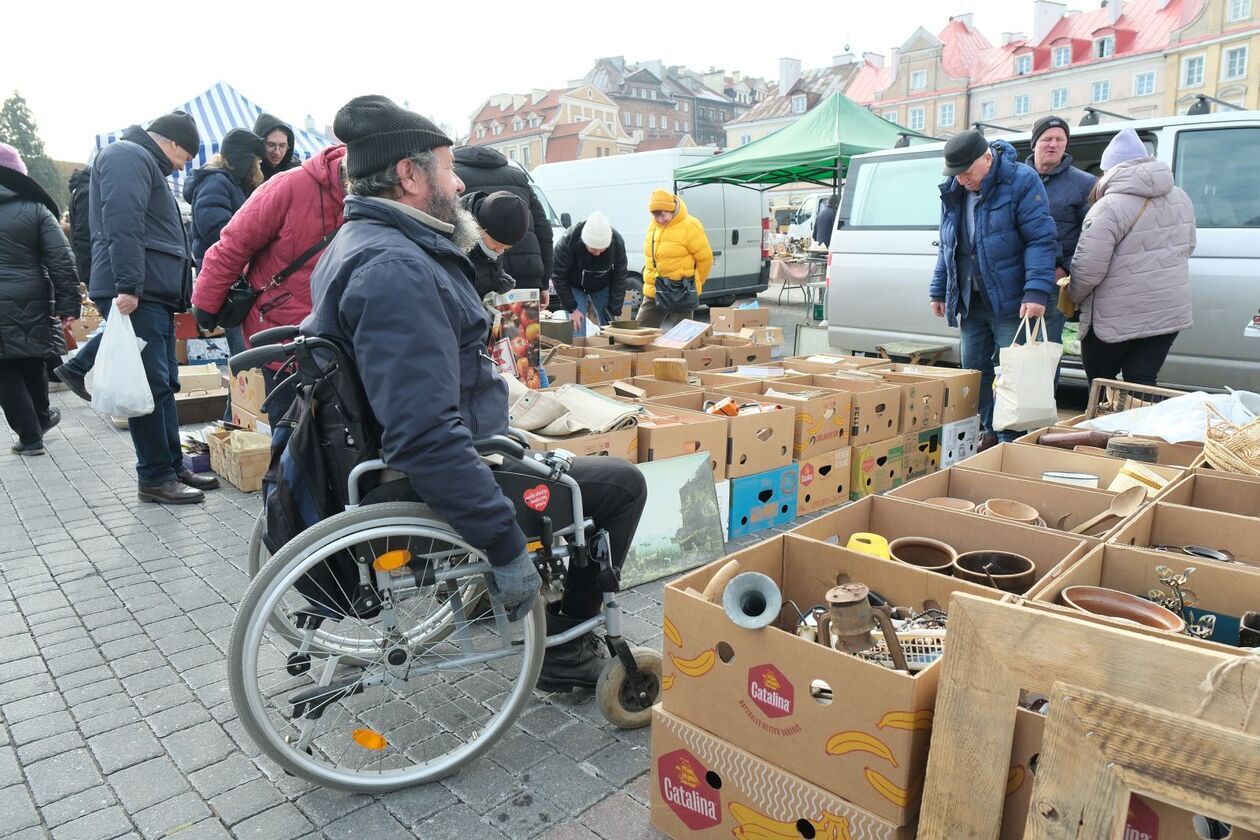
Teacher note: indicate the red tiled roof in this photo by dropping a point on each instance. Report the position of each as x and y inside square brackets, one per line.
[868, 81]
[569, 129]
[655, 143]
[819, 83]
[962, 46]
[564, 148]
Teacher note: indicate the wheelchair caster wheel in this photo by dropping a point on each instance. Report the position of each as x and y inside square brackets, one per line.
[619, 702]
[299, 664]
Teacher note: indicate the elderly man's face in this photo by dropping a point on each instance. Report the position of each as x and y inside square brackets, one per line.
[975, 174]
[1050, 147]
[176, 154]
[277, 147]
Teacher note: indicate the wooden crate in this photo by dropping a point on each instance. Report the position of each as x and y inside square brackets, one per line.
[243, 469]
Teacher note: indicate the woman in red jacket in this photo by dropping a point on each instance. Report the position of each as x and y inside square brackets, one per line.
[280, 221]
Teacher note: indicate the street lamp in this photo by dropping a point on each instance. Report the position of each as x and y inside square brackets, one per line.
[1203, 105]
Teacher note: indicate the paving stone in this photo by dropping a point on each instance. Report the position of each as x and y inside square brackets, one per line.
[166, 697]
[10, 773]
[456, 823]
[147, 783]
[282, 822]
[324, 805]
[619, 763]
[171, 816]
[48, 747]
[32, 707]
[124, 747]
[413, 804]
[571, 830]
[58, 777]
[109, 721]
[244, 801]
[210, 829]
[579, 739]
[15, 689]
[542, 720]
[616, 816]
[107, 824]
[519, 752]
[78, 805]
[561, 780]
[181, 717]
[17, 807]
[373, 821]
[482, 784]
[223, 775]
[198, 746]
[524, 815]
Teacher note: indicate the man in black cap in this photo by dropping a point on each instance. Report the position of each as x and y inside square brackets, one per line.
[504, 218]
[395, 289]
[996, 258]
[142, 268]
[1067, 189]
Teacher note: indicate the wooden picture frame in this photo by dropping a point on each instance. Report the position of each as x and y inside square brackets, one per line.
[996, 649]
[1099, 749]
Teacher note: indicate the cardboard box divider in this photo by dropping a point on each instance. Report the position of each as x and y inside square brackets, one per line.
[823, 480]
[1032, 461]
[659, 388]
[597, 365]
[962, 388]
[876, 406]
[740, 351]
[1051, 500]
[730, 319]
[922, 453]
[770, 336]
[250, 421]
[755, 442]
[560, 371]
[762, 501]
[671, 433]
[891, 518]
[1166, 524]
[641, 357]
[877, 467]
[1180, 455]
[822, 415]
[707, 357]
[1213, 490]
[852, 727]
[620, 443]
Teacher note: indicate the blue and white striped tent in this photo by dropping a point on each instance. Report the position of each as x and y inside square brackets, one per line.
[217, 111]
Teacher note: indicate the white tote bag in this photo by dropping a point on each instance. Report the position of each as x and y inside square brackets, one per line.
[119, 385]
[1024, 387]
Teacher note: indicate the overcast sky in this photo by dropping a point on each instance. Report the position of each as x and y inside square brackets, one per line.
[86, 68]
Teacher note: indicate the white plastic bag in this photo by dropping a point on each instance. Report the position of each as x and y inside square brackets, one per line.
[1023, 396]
[119, 385]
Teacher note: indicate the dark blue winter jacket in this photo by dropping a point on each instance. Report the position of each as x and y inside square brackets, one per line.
[398, 294]
[1015, 237]
[215, 197]
[138, 242]
[1068, 189]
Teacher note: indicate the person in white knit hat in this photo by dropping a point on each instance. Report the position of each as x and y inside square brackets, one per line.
[590, 270]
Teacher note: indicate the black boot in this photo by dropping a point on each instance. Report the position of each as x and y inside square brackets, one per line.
[574, 664]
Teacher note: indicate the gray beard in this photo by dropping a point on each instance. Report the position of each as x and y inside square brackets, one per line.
[467, 232]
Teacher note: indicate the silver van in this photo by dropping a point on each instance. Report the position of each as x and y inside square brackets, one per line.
[884, 247]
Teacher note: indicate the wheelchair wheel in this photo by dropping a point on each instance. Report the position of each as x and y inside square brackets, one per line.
[618, 701]
[258, 553]
[384, 702]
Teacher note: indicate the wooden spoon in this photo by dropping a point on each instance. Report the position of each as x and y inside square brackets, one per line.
[1124, 504]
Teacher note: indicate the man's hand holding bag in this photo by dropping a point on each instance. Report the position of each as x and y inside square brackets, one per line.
[1024, 387]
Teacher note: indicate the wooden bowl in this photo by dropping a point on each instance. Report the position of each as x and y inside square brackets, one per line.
[1011, 572]
[1012, 510]
[924, 553]
[950, 503]
[1112, 603]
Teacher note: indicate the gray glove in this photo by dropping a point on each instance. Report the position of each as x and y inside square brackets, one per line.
[516, 585]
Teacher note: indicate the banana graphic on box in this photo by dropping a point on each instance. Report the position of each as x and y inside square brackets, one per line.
[911, 721]
[886, 788]
[697, 666]
[755, 826]
[671, 633]
[667, 682]
[843, 743]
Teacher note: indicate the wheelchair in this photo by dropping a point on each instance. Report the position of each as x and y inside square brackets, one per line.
[406, 677]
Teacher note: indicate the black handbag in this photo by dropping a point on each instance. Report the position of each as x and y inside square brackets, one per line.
[241, 295]
[674, 295]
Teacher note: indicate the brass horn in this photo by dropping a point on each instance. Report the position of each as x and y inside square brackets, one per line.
[752, 600]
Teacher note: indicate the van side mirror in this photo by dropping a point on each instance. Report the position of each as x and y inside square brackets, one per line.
[566, 220]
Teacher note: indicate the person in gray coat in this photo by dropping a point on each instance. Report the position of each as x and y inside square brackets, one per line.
[1131, 270]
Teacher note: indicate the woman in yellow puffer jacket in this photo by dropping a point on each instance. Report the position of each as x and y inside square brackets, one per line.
[676, 249]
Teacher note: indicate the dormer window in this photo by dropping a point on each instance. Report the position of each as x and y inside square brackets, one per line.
[798, 103]
[517, 124]
[1023, 65]
[1105, 47]
[1062, 56]
[918, 80]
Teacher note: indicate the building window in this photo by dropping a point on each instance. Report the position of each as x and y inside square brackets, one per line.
[1144, 84]
[1021, 105]
[945, 115]
[638, 121]
[918, 80]
[1192, 71]
[1058, 98]
[686, 106]
[891, 116]
[498, 129]
[525, 155]
[677, 125]
[481, 132]
[745, 139]
[625, 118]
[686, 125]
[512, 153]
[1235, 64]
[798, 103]
[916, 119]
[651, 120]
[1101, 91]
[1023, 65]
[988, 110]
[1238, 10]
[1105, 47]
[652, 94]
[517, 124]
[1062, 56]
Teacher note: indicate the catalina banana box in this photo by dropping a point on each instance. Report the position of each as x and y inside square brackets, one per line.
[704, 787]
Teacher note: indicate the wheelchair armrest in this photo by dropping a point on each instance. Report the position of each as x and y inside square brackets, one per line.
[274, 335]
[518, 436]
[500, 445]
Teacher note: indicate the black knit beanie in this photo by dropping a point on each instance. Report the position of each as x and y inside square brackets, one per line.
[239, 145]
[505, 216]
[378, 134]
[1042, 125]
[181, 128]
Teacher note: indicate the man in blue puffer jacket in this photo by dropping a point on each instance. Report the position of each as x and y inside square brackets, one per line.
[997, 253]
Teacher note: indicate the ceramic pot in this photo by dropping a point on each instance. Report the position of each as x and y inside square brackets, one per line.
[1011, 572]
[872, 544]
[1011, 510]
[951, 504]
[1112, 603]
[924, 553]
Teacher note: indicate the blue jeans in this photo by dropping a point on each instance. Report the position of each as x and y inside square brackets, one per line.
[236, 344]
[983, 334]
[599, 300]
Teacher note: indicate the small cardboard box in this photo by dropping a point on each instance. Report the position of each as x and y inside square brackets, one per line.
[876, 407]
[822, 415]
[742, 352]
[730, 319]
[1050, 552]
[667, 433]
[200, 406]
[704, 787]
[771, 336]
[82, 328]
[1174, 525]
[707, 357]
[755, 442]
[922, 400]
[824, 480]
[622, 443]
[641, 358]
[854, 728]
[1211, 490]
[685, 335]
[923, 453]
[560, 371]
[597, 365]
[959, 440]
[1052, 501]
[877, 467]
[1181, 455]
[763, 501]
[200, 377]
[249, 391]
[1032, 461]
[241, 458]
[962, 388]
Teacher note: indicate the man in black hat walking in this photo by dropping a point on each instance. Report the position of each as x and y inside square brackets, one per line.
[395, 289]
[1067, 189]
[996, 258]
[142, 268]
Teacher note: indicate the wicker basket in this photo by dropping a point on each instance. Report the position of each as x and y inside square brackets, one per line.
[1230, 447]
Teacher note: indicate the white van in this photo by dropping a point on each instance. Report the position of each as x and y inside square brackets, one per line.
[802, 225]
[619, 185]
[884, 247]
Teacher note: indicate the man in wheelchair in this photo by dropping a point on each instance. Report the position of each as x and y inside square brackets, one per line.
[395, 290]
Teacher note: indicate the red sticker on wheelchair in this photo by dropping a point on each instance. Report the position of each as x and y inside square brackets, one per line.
[538, 497]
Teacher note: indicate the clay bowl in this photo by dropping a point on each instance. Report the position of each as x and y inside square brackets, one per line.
[1012, 510]
[1011, 572]
[951, 504]
[1112, 603]
[924, 553]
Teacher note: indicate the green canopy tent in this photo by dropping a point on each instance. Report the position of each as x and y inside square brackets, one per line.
[813, 150]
